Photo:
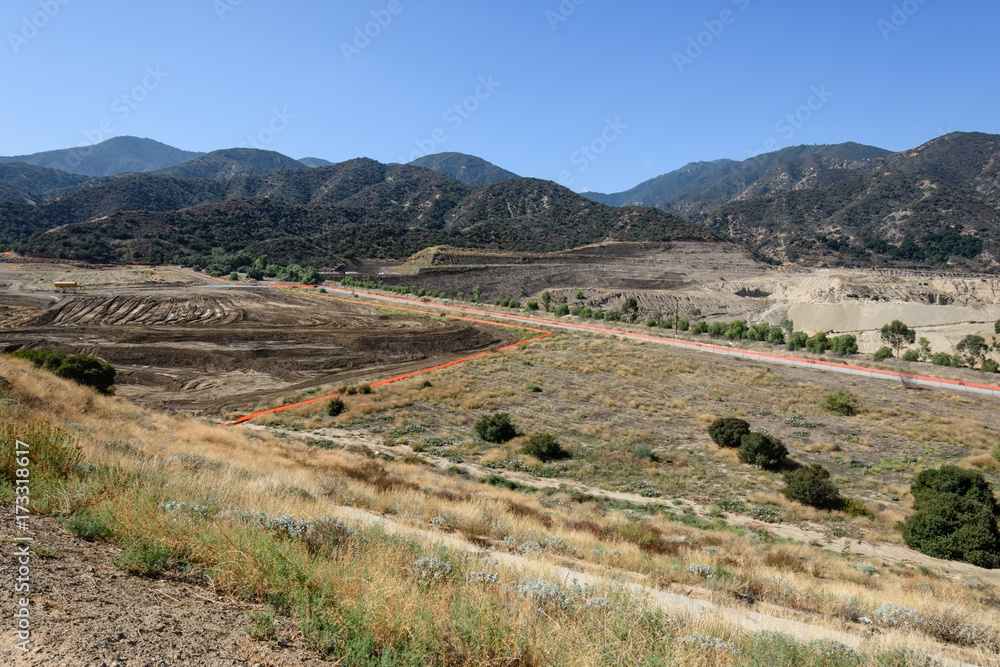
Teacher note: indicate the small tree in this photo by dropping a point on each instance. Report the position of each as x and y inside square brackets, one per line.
[546, 300]
[897, 335]
[818, 343]
[844, 345]
[763, 451]
[925, 350]
[787, 325]
[531, 305]
[545, 447]
[973, 349]
[797, 341]
[840, 402]
[700, 328]
[631, 308]
[728, 431]
[477, 293]
[311, 277]
[812, 486]
[776, 336]
[717, 330]
[496, 428]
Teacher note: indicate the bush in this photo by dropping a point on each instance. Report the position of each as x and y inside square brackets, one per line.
[883, 353]
[736, 330]
[942, 359]
[79, 368]
[844, 345]
[545, 447]
[496, 428]
[728, 431]
[335, 407]
[990, 366]
[89, 527]
[683, 325]
[840, 402]
[812, 486]
[797, 340]
[776, 336]
[956, 517]
[562, 310]
[717, 330]
[955, 528]
[146, 558]
[700, 328]
[911, 355]
[531, 305]
[763, 451]
[651, 322]
[818, 344]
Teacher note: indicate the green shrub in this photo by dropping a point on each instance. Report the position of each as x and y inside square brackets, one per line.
[496, 428]
[990, 366]
[79, 368]
[840, 402]
[736, 330]
[911, 355]
[776, 336]
[758, 332]
[956, 517]
[88, 526]
[651, 322]
[335, 407]
[683, 325]
[818, 343]
[812, 486]
[942, 359]
[262, 626]
[146, 558]
[956, 528]
[717, 329]
[562, 310]
[797, 340]
[955, 481]
[728, 431]
[531, 305]
[545, 447]
[643, 451]
[844, 345]
[763, 451]
[883, 353]
[700, 328]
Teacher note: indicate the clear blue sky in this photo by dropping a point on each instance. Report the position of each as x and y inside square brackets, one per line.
[229, 64]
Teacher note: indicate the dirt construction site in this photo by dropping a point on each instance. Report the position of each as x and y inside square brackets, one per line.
[182, 343]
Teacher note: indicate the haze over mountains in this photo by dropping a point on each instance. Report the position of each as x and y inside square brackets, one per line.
[849, 204]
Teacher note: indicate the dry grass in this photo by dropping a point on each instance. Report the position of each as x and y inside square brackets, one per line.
[654, 401]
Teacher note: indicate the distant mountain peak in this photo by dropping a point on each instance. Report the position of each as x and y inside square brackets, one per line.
[467, 169]
[233, 162]
[117, 155]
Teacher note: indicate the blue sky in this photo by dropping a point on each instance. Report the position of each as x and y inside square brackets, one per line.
[644, 87]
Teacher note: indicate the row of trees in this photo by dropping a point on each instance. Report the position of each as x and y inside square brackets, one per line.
[971, 351]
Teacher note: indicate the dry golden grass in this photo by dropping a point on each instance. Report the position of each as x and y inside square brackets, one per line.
[278, 472]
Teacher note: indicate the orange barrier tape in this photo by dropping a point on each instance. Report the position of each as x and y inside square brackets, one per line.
[542, 334]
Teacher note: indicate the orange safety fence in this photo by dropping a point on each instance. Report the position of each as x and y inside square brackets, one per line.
[542, 334]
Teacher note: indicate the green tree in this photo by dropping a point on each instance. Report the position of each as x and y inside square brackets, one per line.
[758, 332]
[844, 345]
[335, 407]
[818, 343]
[546, 300]
[897, 335]
[925, 350]
[477, 293]
[776, 336]
[631, 308]
[973, 349]
[311, 277]
[883, 353]
[700, 328]
[787, 325]
[531, 305]
[717, 329]
[728, 431]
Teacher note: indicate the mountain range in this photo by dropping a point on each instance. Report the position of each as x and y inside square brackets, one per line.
[849, 204]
